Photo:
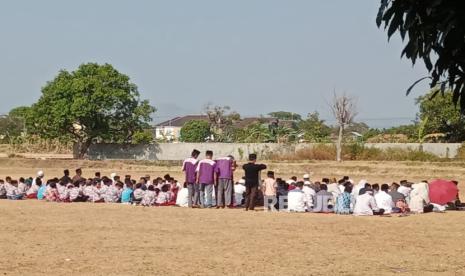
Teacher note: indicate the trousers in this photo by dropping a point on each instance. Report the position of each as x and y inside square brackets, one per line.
[250, 197]
[206, 191]
[225, 189]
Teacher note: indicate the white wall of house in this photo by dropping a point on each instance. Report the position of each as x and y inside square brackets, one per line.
[170, 133]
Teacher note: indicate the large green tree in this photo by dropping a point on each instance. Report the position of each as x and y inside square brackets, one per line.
[439, 116]
[435, 33]
[195, 131]
[95, 103]
[314, 129]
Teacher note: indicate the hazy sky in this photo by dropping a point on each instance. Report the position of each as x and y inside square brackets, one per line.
[257, 56]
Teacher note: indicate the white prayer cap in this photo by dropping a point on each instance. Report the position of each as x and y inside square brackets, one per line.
[290, 182]
[40, 173]
[306, 176]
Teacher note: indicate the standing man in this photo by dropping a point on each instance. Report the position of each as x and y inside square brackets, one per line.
[189, 167]
[206, 179]
[225, 168]
[252, 172]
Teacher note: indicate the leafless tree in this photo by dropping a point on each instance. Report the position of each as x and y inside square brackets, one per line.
[344, 110]
[220, 118]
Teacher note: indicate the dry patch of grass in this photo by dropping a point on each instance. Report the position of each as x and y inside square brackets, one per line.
[46, 238]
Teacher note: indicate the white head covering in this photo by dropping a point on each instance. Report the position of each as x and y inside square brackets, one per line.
[306, 176]
[40, 173]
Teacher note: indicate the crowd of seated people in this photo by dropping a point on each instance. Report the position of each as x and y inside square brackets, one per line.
[341, 197]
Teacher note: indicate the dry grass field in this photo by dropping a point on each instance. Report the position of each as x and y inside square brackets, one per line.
[106, 239]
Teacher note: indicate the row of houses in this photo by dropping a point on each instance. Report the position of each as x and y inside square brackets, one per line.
[171, 130]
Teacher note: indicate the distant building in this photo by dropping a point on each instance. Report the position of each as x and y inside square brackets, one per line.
[171, 130]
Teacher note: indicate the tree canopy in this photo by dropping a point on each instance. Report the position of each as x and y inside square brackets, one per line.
[440, 117]
[195, 131]
[95, 103]
[314, 129]
[435, 33]
[284, 115]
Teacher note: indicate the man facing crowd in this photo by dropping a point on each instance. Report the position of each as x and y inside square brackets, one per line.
[252, 175]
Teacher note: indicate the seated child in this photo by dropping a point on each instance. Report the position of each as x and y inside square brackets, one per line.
[22, 187]
[149, 197]
[113, 193]
[138, 194]
[174, 189]
[164, 196]
[52, 193]
[182, 198]
[88, 191]
[126, 195]
[33, 189]
[97, 196]
[2, 189]
[75, 193]
[62, 191]
[42, 189]
[12, 191]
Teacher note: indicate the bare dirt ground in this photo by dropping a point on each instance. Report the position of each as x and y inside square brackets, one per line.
[46, 238]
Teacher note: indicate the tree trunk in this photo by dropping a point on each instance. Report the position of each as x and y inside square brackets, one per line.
[82, 147]
[339, 144]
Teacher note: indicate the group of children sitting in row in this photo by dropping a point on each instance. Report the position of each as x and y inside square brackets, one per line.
[160, 192]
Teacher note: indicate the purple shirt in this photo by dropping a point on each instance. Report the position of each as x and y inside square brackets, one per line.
[189, 167]
[224, 168]
[206, 171]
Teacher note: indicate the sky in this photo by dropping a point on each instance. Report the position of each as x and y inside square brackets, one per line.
[256, 56]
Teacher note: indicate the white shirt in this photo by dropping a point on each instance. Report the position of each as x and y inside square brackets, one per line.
[183, 198]
[296, 200]
[33, 189]
[239, 191]
[22, 187]
[384, 201]
[309, 194]
[364, 205]
[138, 194]
[404, 190]
[358, 187]
[11, 190]
[2, 189]
[334, 189]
